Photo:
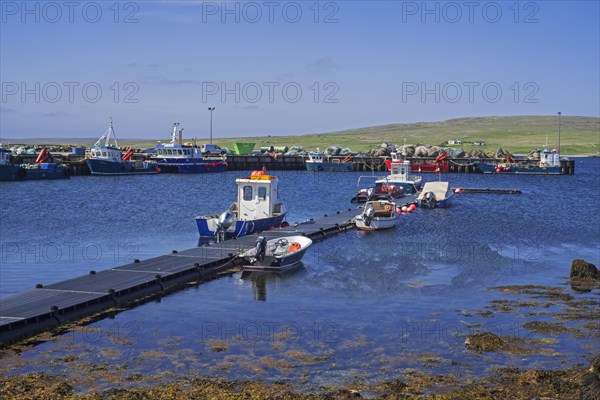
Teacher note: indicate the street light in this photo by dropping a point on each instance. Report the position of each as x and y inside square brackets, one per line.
[559, 131]
[211, 109]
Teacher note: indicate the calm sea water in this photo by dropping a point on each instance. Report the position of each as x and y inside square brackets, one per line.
[362, 305]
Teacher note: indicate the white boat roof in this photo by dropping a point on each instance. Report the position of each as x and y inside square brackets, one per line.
[439, 189]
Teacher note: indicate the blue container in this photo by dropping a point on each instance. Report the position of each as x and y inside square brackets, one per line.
[80, 151]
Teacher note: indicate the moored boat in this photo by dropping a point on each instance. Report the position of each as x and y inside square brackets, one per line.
[316, 162]
[400, 175]
[549, 164]
[185, 158]
[256, 209]
[376, 215]
[275, 255]
[435, 194]
[41, 170]
[106, 158]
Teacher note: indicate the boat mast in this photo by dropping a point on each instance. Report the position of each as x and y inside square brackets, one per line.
[174, 134]
[106, 136]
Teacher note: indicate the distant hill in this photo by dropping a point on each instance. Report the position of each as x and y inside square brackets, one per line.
[518, 134]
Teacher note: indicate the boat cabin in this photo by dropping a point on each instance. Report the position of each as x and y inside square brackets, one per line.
[108, 153]
[549, 158]
[4, 156]
[399, 168]
[257, 197]
[315, 157]
[176, 148]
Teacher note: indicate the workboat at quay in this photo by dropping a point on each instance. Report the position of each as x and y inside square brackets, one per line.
[275, 255]
[400, 175]
[106, 159]
[28, 172]
[549, 164]
[256, 209]
[185, 158]
[316, 162]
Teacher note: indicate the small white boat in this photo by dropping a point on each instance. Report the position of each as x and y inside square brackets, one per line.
[275, 255]
[435, 194]
[378, 214]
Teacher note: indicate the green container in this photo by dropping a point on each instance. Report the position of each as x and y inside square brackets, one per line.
[243, 148]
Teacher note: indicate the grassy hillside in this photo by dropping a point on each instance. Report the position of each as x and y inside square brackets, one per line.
[518, 134]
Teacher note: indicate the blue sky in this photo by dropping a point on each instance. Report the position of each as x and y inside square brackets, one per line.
[274, 68]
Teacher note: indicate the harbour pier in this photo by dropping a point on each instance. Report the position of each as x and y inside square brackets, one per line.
[49, 305]
[77, 165]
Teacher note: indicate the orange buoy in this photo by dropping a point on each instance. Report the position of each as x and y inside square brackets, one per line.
[412, 208]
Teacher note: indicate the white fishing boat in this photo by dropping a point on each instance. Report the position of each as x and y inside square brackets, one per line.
[376, 215]
[275, 255]
[435, 194]
[257, 209]
[400, 176]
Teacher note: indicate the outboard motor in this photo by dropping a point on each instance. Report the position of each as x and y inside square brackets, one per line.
[261, 248]
[225, 220]
[430, 199]
[368, 215]
[370, 193]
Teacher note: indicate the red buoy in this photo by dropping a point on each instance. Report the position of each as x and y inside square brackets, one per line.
[458, 191]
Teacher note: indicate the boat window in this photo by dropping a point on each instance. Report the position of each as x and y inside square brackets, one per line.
[262, 193]
[169, 152]
[103, 154]
[179, 151]
[247, 192]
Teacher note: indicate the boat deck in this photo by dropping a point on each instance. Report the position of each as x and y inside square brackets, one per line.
[47, 306]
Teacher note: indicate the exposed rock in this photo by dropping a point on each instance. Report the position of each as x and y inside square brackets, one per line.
[584, 270]
[484, 341]
[591, 381]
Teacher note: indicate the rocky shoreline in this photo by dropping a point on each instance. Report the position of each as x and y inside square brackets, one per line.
[569, 312]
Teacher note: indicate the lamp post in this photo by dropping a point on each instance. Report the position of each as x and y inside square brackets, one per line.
[559, 113]
[211, 109]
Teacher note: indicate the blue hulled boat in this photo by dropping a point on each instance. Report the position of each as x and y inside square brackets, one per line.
[41, 170]
[256, 209]
[185, 158]
[106, 159]
[316, 162]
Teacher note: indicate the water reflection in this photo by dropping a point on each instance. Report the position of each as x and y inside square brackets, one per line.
[259, 280]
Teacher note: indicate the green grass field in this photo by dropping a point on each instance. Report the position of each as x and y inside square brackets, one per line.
[518, 134]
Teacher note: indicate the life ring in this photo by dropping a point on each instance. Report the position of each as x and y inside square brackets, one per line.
[388, 208]
[294, 246]
[22, 173]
